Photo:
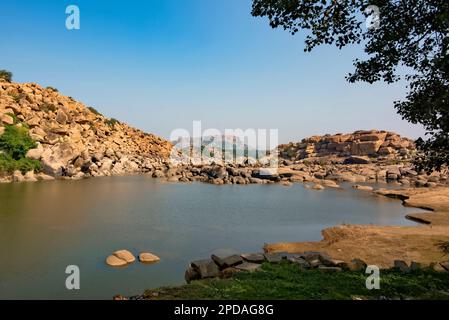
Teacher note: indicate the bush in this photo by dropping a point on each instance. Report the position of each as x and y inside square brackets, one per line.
[52, 89]
[93, 110]
[9, 165]
[6, 75]
[16, 142]
[112, 122]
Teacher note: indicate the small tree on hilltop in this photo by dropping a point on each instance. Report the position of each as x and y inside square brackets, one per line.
[6, 75]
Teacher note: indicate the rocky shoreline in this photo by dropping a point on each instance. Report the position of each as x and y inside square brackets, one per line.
[75, 141]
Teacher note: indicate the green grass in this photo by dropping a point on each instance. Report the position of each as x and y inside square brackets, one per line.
[285, 281]
[14, 144]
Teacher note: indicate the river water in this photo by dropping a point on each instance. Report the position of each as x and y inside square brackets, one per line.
[46, 226]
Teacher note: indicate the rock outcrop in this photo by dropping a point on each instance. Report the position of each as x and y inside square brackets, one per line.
[74, 140]
[372, 143]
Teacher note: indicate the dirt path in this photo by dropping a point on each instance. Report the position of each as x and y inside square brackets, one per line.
[381, 245]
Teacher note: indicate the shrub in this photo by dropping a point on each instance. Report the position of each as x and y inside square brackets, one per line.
[16, 142]
[112, 122]
[9, 165]
[93, 110]
[6, 75]
[52, 89]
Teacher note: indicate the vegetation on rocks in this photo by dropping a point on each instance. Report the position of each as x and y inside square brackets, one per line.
[287, 281]
[14, 144]
[6, 75]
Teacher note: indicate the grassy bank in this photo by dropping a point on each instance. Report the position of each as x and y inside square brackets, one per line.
[286, 281]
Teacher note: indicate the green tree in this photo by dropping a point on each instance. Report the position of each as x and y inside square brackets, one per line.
[413, 34]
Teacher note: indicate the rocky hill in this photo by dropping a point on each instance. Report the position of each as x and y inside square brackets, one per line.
[374, 143]
[74, 140]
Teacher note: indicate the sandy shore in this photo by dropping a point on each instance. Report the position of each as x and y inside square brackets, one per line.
[381, 245]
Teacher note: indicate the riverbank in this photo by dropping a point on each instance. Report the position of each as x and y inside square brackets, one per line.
[284, 281]
[381, 245]
[414, 262]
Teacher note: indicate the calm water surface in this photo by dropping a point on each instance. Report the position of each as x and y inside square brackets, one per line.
[46, 226]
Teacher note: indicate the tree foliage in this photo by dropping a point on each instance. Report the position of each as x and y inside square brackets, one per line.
[410, 41]
[6, 75]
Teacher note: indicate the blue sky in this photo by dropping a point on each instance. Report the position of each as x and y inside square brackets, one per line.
[160, 64]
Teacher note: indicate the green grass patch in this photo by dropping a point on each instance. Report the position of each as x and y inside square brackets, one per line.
[14, 144]
[286, 281]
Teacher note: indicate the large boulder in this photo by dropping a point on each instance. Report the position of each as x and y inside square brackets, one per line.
[56, 158]
[357, 160]
[206, 268]
[36, 153]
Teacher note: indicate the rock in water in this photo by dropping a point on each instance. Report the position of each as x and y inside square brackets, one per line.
[113, 261]
[125, 255]
[206, 268]
[147, 257]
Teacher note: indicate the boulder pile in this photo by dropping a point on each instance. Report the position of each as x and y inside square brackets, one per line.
[373, 143]
[74, 140]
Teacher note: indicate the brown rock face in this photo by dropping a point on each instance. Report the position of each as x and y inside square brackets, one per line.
[77, 140]
[372, 143]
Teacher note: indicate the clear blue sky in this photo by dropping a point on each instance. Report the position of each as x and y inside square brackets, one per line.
[160, 64]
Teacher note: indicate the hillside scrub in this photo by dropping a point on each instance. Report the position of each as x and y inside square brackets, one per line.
[14, 144]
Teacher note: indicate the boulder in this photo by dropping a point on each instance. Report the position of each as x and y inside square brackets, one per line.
[329, 269]
[253, 257]
[318, 187]
[275, 257]
[7, 119]
[330, 184]
[30, 177]
[401, 266]
[362, 188]
[357, 160]
[125, 255]
[249, 267]
[17, 176]
[36, 153]
[191, 274]
[206, 268]
[227, 262]
[114, 261]
[147, 257]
